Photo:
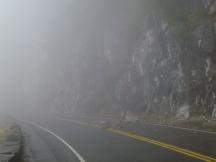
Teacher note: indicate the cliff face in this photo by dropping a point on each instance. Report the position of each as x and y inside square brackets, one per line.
[172, 66]
[160, 60]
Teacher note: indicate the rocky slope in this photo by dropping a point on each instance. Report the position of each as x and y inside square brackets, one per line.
[143, 57]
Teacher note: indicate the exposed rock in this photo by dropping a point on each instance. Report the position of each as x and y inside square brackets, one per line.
[183, 112]
[151, 62]
[213, 117]
[130, 117]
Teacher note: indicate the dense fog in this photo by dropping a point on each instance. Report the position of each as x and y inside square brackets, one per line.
[27, 28]
[20, 53]
[108, 57]
[25, 25]
[107, 80]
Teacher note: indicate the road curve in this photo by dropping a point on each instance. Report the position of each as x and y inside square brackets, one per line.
[98, 145]
[69, 147]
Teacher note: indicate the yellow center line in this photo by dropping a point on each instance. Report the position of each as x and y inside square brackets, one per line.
[164, 145]
[154, 142]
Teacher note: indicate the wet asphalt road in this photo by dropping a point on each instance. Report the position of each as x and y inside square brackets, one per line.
[96, 145]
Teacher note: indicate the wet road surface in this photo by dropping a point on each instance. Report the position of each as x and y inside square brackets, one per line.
[98, 145]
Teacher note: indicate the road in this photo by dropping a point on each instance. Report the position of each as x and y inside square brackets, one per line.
[131, 144]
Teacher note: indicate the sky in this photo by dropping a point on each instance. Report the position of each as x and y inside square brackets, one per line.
[20, 50]
[25, 26]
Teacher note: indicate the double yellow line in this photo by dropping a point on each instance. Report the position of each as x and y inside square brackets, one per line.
[164, 145]
[152, 141]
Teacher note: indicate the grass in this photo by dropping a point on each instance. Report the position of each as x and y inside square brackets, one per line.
[2, 134]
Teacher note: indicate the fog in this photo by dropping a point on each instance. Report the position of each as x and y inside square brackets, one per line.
[110, 78]
[31, 29]
[24, 27]
[104, 57]
[21, 54]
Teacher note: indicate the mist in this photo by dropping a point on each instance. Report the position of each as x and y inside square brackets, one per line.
[36, 37]
[18, 52]
[107, 80]
[107, 57]
[24, 24]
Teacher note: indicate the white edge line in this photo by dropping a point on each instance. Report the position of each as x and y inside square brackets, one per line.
[188, 129]
[81, 159]
[161, 125]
